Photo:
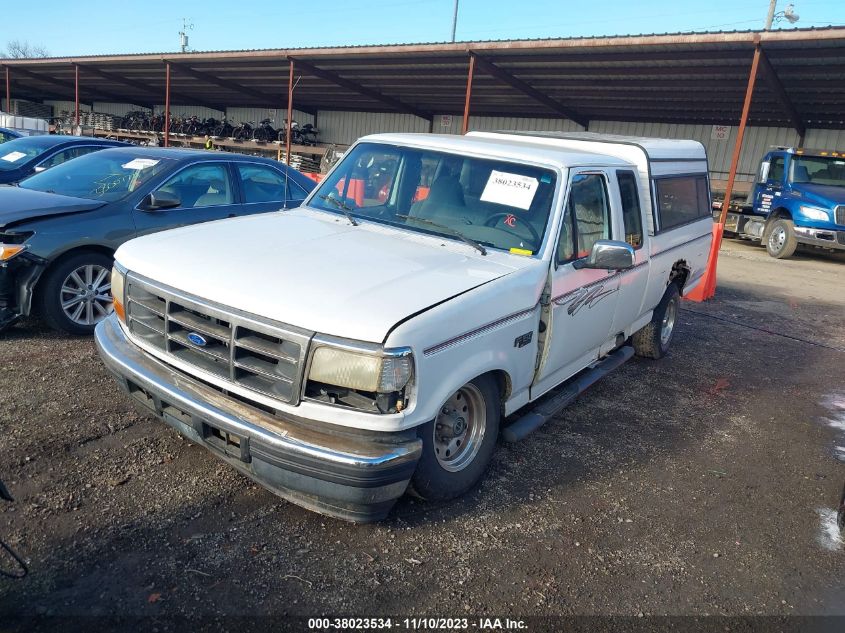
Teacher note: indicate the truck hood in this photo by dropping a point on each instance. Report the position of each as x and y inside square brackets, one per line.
[314, 270]
[823, 195]
[18, 204]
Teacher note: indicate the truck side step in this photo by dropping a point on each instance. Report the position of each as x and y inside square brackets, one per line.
[562, 396]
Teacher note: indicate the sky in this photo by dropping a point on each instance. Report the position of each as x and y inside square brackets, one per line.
[104, 26]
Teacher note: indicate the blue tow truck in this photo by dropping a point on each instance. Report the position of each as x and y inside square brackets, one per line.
[799, 198]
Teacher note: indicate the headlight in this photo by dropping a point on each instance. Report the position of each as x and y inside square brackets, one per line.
[118, 276]
[380, 372]
[814, 213]
[8, 251]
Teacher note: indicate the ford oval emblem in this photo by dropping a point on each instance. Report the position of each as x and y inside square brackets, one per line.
[197, 339]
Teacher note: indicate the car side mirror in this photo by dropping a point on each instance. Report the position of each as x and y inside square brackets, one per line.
[608, 255]
[162, 200]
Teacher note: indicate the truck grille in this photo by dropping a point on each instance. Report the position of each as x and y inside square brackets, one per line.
[839, 214]
[243, 350]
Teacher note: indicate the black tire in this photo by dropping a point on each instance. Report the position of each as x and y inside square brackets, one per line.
[434, 482]
[780, 239]
[650, 341]
[51, 292]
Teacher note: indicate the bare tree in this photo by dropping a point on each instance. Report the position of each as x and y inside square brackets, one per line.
[16, 49]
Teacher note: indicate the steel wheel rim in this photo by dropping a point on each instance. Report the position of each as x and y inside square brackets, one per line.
[85, 295]
[459, 428]
[778, 238]
[667, 327]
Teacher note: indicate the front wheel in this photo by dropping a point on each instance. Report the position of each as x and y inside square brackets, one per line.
[75, 294]
[781, 242]
[459, 442]
[654, 339]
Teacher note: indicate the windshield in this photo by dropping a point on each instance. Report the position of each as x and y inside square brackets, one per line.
[495, 203]
[108, 175]
[818, 170]
[18, 151]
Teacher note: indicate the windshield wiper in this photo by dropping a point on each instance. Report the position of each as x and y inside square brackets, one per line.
[339, 204]
[458, 234]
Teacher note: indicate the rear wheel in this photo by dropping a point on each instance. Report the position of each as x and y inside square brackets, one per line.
[459, 442]
[654, 339]
[75, 294]
[781, 241]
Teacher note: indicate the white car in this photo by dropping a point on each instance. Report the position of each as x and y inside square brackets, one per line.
[430, 287]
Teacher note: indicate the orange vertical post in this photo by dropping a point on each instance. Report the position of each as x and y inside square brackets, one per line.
[290, 113]
[76, 95]
[465, 123]
[167, 105]
[707, 286]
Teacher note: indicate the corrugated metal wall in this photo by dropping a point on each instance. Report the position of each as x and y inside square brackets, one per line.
[66, 106]
[346, 127]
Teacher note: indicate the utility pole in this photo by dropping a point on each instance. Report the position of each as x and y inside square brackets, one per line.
[455, 20]
[771, 16]
[183, 35]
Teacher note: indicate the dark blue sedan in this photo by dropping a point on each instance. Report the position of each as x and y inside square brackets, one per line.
[59, 228]
[7, 135]
[24, 156]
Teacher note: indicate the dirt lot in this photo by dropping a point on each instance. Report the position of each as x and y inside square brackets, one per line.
[702, 484]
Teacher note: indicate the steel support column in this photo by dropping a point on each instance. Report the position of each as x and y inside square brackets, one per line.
[290, 114]
[76, 96]
[706, 288]
[465, 122]
[8, 92]
[167, 104]
[746, 107]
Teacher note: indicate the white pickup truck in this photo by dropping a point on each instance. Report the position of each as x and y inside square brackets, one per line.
[429, 290]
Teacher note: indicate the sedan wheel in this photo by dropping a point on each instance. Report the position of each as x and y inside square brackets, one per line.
[86, 295]
[74, 295]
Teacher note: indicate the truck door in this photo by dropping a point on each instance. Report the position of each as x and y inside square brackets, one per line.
[629, 228]
[770, 184]
[583, 302]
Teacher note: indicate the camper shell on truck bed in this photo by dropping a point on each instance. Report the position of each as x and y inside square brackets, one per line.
[433, 291]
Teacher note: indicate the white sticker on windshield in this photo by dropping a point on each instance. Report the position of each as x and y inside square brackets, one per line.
[13, 156]
[140, 163]
[512, 190]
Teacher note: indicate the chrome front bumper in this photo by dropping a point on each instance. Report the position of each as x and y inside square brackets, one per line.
[355, 477]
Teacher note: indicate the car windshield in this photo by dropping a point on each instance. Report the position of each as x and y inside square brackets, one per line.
[818, 170]
[18, 151]
[107, 175]
[494, 203]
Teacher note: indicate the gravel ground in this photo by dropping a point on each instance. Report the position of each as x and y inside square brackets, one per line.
[701, 484]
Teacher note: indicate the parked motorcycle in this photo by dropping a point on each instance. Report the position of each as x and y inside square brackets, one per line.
[264, 132]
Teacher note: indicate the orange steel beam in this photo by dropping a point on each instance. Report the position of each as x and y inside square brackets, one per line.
[290, 113]
[167, 104]
[746, 107]
[465, 122]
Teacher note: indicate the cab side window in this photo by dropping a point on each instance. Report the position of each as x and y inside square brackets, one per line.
[203, 185]
[631, 214]
[776, 170]
[587, 218]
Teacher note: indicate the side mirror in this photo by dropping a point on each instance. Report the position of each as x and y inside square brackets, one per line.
[162, 200]
[608, 255]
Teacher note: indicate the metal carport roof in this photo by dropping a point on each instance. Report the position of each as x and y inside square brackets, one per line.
[671, 78]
